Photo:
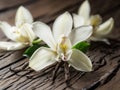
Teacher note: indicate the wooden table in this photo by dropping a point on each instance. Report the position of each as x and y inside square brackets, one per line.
[105, 58]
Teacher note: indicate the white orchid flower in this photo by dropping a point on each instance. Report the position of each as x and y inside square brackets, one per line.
[100, 31]
[60, 42]
[21, 34]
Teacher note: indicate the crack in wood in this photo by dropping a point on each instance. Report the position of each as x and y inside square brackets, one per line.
[104, 79]
[12, 63]
[5, 55]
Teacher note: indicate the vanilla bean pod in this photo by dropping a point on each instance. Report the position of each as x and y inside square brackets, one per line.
[23, 68]
[58, 65]
[67, 72]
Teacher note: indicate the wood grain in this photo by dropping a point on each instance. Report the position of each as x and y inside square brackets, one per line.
[105, 58]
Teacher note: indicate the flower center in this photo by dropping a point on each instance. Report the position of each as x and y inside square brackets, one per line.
[63, 48]
[20, 36]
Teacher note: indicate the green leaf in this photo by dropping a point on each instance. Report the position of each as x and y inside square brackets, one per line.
[36, 41]
[28, 53]
[82, 46]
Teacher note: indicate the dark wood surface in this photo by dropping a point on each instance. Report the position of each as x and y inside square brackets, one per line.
[105, 58]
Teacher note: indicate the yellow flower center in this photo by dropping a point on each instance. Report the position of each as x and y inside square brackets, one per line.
[63, 45]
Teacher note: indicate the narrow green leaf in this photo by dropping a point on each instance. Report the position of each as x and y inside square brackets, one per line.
[82, 46]
[28, 53]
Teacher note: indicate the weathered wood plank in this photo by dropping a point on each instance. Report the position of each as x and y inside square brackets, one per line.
[6, 4]
[39, 9]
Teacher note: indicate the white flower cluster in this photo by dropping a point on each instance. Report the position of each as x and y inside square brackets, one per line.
[60, 39]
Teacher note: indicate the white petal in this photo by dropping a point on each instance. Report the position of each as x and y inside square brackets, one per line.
[78, 20]
[95, 20]
[43, 31]
[28, 29]
[80, 61]
[62, 25]
[23, 16]
[11, 46]
[42, 58]
[84, 10]
[8, 30]
[105, 28]
[80, 34]
[99, 39]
